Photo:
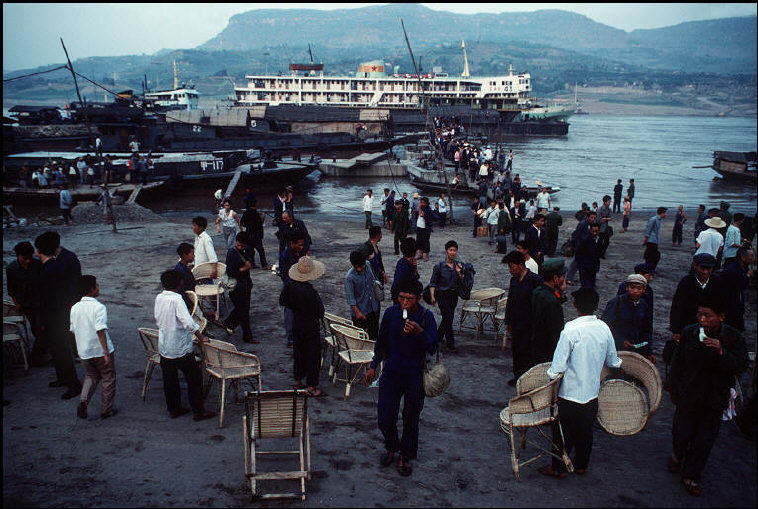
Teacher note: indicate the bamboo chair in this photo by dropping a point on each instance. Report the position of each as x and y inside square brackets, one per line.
[225, 364]
[533, 409]
[535, 377]
[13, 340]
[354, 351]
[329, 341]
[482, 304]
[149, 339]
[499, 318]
[209, 291]
[11, 315]
[279, 415]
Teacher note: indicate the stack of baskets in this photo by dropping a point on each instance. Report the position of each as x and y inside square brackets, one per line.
[624, 407]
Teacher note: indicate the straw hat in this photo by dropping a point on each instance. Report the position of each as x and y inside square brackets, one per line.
[306, 269]
[715, 222]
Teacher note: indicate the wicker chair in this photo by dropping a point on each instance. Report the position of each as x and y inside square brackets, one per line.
[225, 364]
[354, 351]
[209, 291]
[498, 318]
[535, 377]
[149, 339]
[13, 340]
[276, 415]
[331, 343]
[11, 315]
[482, 304]
[533, 409]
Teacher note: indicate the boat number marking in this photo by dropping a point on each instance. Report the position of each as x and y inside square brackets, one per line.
[197, 128]
[215, 165]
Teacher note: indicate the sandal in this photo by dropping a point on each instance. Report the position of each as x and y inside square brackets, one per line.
[673, 465]
[692, 487]
[548, 471]
[404, 466]
[315, 392]
[386, 458]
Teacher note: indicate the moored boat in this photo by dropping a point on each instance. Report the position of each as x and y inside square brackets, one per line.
[738, 166]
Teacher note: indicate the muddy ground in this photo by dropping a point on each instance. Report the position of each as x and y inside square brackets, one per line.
[141, 457]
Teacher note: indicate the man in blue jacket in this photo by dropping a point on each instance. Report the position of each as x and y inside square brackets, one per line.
[407, 333]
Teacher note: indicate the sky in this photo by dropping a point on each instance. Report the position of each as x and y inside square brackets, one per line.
[31, 31]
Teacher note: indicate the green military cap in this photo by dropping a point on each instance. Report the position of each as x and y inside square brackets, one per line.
[553, 267]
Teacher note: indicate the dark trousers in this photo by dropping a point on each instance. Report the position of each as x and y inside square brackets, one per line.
[192, 375]
[676, 234]
[447, 300]
[521, 349]
[66, 213]
[443, 219]
[516, 232]
[256, 244]
[616, 204]
[369, 224]
[370, 324]
[399, 236]
[652, 255]
[423, 236]
[551, 241]
[307, 356]
[240, 314]
[58, 338]
[587, 276]
[394, 385]
[576, 420]
[509, 165]
[477, 222]
[694, 433]
[603, 240]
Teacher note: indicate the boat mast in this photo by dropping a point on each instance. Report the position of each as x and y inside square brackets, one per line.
[76, 85]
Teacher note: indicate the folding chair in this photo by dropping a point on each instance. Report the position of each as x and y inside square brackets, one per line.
[225, 364]
[281, 415]
[354, 349]
[533, 409]
[329, 341]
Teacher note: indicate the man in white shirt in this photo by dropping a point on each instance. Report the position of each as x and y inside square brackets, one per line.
[585, 344]
[368, 203]
[711, 241]
[204, 250]
[442, 204]
[543, 201]
[530, 263]
[733, 238]
[89, 323]
[175, 330]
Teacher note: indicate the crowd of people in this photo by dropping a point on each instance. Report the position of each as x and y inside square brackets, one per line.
[706, 321]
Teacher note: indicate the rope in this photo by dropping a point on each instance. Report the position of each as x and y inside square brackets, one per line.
[35, 73]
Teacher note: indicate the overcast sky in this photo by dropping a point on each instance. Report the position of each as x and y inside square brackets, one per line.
[31, 31]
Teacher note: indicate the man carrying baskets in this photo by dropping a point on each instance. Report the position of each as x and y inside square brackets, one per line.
[407, 332]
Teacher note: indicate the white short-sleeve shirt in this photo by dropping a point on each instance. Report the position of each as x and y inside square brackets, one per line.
[175, 325]
[87, 317]
[204, 251]
[710, 241]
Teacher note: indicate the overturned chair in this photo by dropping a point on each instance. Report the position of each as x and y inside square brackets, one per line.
[276, 415]
[535, 406]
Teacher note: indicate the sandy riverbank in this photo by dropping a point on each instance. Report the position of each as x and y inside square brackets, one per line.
[141, 457]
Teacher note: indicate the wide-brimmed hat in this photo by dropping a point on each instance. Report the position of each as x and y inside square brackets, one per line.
[715, 222]
[306, 269]
[415, 195]
[636, 278]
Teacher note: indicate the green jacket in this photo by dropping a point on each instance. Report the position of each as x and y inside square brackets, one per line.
[547, 323]
[553, 221]
[402, 223]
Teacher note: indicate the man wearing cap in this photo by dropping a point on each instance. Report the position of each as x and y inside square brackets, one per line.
[547, 310]
[628, 317]
[585, 345]
[711, 241]
[648, 296]
[518, 312]
[307, 310]
[652, 237]
[699, 284]
[407, 333]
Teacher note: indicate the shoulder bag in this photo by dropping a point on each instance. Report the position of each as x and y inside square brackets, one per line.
[436, 377]
[378, 285]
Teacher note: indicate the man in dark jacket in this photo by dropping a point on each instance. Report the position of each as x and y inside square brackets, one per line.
[535, 238]
[22, 277]
[547, 310]
[646, 270]
[735, 278]
[553, 221]
[288, 227]
[518, 312]
[588, 256]
[252, 222]
[627, 317]
[238, 266]
[699, 284]
[708, 356]
[401, 224]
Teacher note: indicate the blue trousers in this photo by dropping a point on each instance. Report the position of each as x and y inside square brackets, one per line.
[394, 385]
[447, 300]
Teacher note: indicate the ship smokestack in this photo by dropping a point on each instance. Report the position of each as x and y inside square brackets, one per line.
[465, 72]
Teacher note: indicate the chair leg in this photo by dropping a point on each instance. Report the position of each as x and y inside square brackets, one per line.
[23, 354]
[564, 455]
[223, 401]
[148, 375]
[252, 466]
[514, 458]
[308, 445]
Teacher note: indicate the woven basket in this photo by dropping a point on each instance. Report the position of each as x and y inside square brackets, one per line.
[622, 408]
[644, 373]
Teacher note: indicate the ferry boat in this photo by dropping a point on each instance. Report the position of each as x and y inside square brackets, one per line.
[180, 97]
[374, 86]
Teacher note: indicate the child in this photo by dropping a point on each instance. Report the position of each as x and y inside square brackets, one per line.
[89, 323]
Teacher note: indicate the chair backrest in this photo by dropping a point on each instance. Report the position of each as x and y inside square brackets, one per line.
[537, 399]
[223, 358]
[9, 309]
[351, 339]
[149, 339]
[535, 377]
[500, 311]
[192, 296]
[276, 414]
[329, 319]
[222, 344]
[12, 331]
[203, 271]
[645, 372]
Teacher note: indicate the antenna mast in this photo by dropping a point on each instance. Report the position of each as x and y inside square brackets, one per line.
[465, 72]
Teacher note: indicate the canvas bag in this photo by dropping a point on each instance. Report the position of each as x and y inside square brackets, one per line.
[378, 285]
[436, 377]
